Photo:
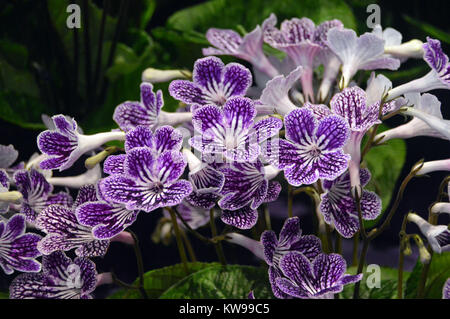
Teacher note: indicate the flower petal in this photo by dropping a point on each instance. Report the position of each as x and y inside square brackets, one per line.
[244, 218]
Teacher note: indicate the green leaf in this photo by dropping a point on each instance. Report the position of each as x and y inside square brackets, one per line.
[388, 284]
[227, 13]
[385, 163]
[438, 273]
[428, 29]
[22, 110]
[147, 12]
[4, 295]
[157, 281]
[222, 282]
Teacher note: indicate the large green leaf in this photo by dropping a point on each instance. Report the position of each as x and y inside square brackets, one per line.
[438, 273]
[385, 162]
[432, 31]
[4, 295]
[159, 280]
[222, 282]
[388, 284]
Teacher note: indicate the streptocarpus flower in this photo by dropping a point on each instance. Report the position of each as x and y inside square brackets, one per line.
[358, 53]
[296, 38]
[164, 138]
[427, 120]
[326, 57]
[352, 105]
[206, 182]
[248, 48]
[313, 148]
[153, 75]
[107, 220]
[321, 278]
[446, 290]
[231, 132]
[394, 47]
[17, 248]
[64, 145]
[213, 83]
[4, 188]
[438, 236]
[339, 207]
[275, 96]
[61, 278]
[8, 155]
[434, 166]
[437, 78]
[91, 176]
[147, 112]
[37, 193]
[148, 181]
[290, 239]
[64, 232]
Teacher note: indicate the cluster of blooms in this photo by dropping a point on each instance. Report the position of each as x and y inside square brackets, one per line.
[233, 139]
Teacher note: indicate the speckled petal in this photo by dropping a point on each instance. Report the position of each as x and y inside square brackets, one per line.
[244, 218]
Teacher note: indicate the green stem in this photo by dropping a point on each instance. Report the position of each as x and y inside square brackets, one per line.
[217, 245]
[362, 260]
[87, 49]
[423, 279]
[140, 265]
[338, 244]
[355, 249]
[267, 217]
[98, 62]
[179, 239]
[401, 258]
[189, 248]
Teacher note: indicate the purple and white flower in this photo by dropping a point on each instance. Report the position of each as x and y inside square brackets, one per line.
[6, 197]
[64, 231]
[434, 166]
[248, 48]
[313, 148]
[65, 144]
[17, 248]
[148, 181]
[91, 176]
[37, 193]
[213, 83]
[230, 132]
[352, 105]
[289, 240]
[147, 112]
[296, 38]
[358, 53]
[320, 278]
[446, 290]
[60, 278]
[338, 206]
[437, 78]
[438, 236]
[442, 207]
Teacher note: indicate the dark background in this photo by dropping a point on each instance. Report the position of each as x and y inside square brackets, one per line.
[419, 194]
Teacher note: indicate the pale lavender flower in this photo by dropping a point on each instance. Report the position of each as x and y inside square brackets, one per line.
[358, 53]
[434, 166]
[438, 236]
[248, 48]
[442, 207]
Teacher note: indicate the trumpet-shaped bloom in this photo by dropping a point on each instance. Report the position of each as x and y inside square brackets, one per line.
[296, 38]
[427, 120]
[65, 144]
[320, 278]
[213, 83]
[248, 48]
[148, 181]
[313, 148]
[358, 53]
[17, 248]
[147, 112]
[339, 207]
[352, 105]
[438, 236]
[437, 78]
[60, 278]
[231, 132]
[275, 96]
[434, 166]
[37, 193]
[442, 207]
